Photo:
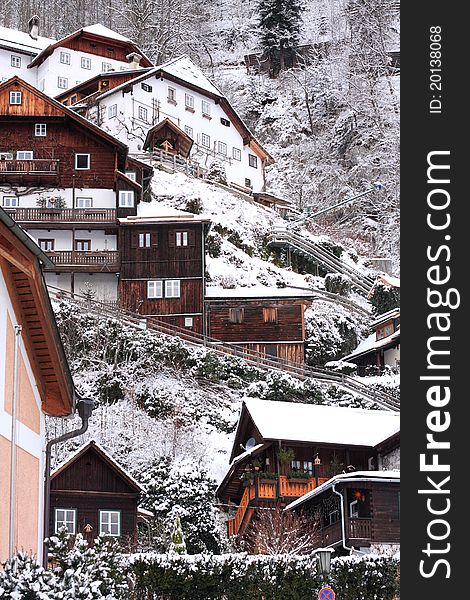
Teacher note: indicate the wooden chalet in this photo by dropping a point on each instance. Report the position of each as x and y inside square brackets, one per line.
[167, 136]
[96, 40]
[92, 495]
[381, 348]
[354, 511]
[260, 319]
[283, 450]
[163, 266]
[30, 345]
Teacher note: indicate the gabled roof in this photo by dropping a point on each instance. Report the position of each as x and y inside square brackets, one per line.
[186, 140]
[378, 476]
[22, 269]
[55, 108]
[317, 424]
[107, 458]
[371, 344]
[96, 32]
[258, 292]
[154, 213]
[22, 42]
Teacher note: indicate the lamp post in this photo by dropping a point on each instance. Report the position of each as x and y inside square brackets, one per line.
[316, 464]
[324, 560]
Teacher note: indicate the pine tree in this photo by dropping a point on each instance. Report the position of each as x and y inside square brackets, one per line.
[280, 22]
[178, 545]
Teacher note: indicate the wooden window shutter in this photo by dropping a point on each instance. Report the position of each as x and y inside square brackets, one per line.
[154, 239]
[172, 239]
[191, 238]
[134, 240]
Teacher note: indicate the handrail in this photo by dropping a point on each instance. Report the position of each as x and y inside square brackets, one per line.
[252, 357]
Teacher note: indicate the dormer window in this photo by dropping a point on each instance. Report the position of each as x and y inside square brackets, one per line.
[16, 97]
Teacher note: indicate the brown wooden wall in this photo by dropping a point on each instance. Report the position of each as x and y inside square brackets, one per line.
[385, 513]
[105, 48]
[290, 324]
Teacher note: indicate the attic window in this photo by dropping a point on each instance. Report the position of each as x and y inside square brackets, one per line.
[146, 87]
[236, 315]
[225, 122]
[16, 97]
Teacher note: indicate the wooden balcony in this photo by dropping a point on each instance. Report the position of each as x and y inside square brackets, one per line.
[91, 216]
[105, 261]
[37, 169]
[360, 529]
[235, 524]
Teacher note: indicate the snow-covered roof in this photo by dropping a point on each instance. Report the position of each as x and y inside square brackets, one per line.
[371, 344]
[246, 454]
[23, 42]
[183, 68]
[258, 291]
[391, 314]
[292, 421]
[382, 476]
[153, 212]
[82, 449]
[98, 29]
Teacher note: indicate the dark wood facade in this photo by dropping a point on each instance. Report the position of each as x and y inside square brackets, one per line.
[270, 325]
[172, 250]
[91, 482]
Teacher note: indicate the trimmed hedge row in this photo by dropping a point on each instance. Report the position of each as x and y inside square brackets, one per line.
[245, 577]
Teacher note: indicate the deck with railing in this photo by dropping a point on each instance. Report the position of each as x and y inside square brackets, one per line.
[36, 166]
[88, 261]
[102, 216]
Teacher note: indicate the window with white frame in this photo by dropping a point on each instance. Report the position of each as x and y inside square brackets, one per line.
[110, 522]
[171, 95]
[131, 175]
[24, 155]
[236, 153]
[253, 161]
[16, 61]
[11, 201]
[181, 238]
[62, 83]
[83, 202]
[82, 162]
[65, 517]
[83, 245]
[47, 245]
[142, 113]
[40, 129]
[106, 66]
[189, 101]
[206, 140]
[16, 97]
[206, 108]
[222, 148]
[188, 321]
[145, 240]
[155, 289]
[86, 63]
[65, 58]
[112, 111]
[172, 288]
[189, 131]
[126, 198]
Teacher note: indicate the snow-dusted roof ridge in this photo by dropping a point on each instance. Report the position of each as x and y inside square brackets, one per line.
[258, 291]
[20, 40]
[292, 421]
[371, 343]
[184, 68]
[71, 457]
[102, 30]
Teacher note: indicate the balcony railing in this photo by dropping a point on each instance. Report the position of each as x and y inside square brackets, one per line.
[63, 215]
[103, 260]
[36, 166]
[360, 529]
[234, 524]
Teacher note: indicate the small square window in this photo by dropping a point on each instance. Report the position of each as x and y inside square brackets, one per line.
[253, 161]
[110, 522]
[146, 87]
[131, 175]
[247, 183]
[11, 201]
[112, 111]
[106, 66]
[236, 153]
[65, 517]
[206, 140]
[62, 83]
[84, 203]
[188, 321]
[142, 112]
[82, 162]
[155, 289]
[236, 315]
[16, 97]
[126, 199]
[172, 288]
[225, 122]
[86, 63]
[206, 109]
[65, 58]
[16, 61]
[40, 130]
[222, 147]
[189, 131]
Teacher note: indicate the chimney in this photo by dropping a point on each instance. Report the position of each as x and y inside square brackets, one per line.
[134, 60]
[33, 25]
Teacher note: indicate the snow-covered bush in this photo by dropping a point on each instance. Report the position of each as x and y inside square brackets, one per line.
[384, 298]
[217, 173]
[341, 366]
[337, 283]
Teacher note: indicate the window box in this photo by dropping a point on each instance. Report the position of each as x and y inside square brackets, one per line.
[189, 109]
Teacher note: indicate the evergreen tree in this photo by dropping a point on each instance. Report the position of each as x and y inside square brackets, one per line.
[178, 545]
[280, 22]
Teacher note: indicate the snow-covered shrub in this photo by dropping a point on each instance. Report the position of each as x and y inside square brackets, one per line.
[217, 173]
[23, 578]
[341, 366]
[216, 367]
[194, 205]
[384, 298]
[337, 283]
[214, 245]
[367, 578]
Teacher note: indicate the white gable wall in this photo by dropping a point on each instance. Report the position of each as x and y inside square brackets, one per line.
[7, 70]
